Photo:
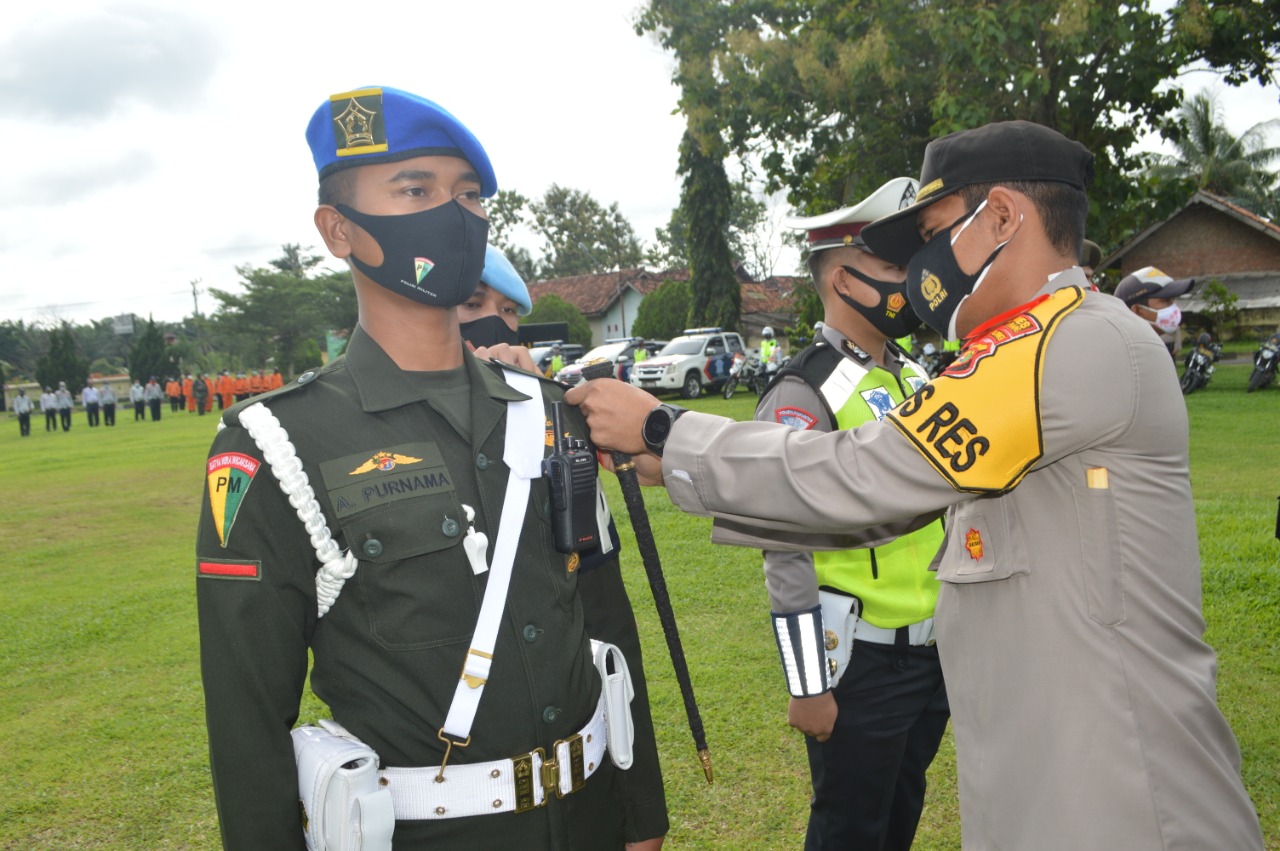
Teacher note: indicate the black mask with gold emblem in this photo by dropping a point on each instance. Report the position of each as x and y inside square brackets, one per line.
[936, 285]
[892, 317]
[434, 257]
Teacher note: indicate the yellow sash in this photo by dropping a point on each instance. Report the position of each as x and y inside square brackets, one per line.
[979, 422]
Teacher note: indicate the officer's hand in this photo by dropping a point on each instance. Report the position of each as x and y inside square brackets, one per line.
[648, 467]
[813, 716]
[645, 844]
[517, 356]
[615, 413]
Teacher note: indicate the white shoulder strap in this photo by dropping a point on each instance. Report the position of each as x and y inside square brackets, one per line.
[336, 567]
[522, 453]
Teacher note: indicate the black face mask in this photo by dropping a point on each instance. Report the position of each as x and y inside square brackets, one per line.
[892, 317]
[434, 257]
[936, 285]
[488, 331]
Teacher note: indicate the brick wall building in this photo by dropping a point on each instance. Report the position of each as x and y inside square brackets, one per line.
[1212, 239]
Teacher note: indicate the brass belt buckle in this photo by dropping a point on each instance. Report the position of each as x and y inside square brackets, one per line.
[576, 767]
[526, 799]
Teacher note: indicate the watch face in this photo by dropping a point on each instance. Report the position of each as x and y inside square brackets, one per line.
[657, 426]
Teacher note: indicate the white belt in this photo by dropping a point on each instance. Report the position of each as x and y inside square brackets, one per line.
[517, 784]
[918, 633]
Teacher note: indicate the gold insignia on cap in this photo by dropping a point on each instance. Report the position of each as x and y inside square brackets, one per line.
[359, 119]
[926, 191]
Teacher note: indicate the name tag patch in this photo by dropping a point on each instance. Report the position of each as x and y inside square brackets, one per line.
[379, 477]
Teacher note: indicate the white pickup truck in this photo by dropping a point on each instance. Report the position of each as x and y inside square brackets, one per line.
[692, 363]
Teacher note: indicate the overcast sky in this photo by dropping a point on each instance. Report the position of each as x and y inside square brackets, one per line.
[151, 145]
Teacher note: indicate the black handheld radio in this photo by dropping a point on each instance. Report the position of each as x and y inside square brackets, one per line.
[571, 477]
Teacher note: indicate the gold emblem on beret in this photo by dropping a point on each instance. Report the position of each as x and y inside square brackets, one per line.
[358, 117]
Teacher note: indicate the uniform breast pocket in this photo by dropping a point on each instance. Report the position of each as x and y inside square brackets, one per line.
[1103, 568]
[984, 543]
[538, 544]
[414, 580]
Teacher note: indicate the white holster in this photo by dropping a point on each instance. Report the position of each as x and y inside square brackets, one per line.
[618, 692]
[343, 806]
[840, 614]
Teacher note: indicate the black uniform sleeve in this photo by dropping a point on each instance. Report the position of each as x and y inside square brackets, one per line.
[255, 573]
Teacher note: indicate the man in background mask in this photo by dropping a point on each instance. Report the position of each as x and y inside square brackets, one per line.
[1069, 616]
[392, 519]
[1151, 295]
[489, 317]
[872, 734]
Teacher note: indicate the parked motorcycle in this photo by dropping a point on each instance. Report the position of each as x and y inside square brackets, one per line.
[1264, 363]
[1199, 364]
[743, 370]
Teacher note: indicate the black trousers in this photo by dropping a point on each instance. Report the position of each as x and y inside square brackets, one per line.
[91, 412]
[109, 414]
[24, 424]
[64, 414]
[869, 777]
[51, 420]
[138, 409]
[155, 409]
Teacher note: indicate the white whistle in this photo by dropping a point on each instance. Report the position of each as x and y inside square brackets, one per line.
[476, 544]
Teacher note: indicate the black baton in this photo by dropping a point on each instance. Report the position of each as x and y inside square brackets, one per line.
[630, 484]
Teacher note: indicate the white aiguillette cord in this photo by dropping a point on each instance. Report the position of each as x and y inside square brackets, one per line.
[523, 456]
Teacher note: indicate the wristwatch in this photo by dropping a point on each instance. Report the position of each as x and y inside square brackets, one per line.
[657, 426]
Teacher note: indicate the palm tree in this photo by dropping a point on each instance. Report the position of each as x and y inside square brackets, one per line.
[1209, 157]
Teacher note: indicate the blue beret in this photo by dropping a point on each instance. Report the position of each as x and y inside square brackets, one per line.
[500, 275]
[379, 124]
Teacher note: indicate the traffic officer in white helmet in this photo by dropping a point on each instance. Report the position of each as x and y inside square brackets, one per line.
[855, 627]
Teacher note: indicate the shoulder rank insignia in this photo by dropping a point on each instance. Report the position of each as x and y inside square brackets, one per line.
[229, 475]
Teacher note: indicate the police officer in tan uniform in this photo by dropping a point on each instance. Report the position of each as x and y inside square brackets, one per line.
[396, 455]
[1069, 622]
[874, 708]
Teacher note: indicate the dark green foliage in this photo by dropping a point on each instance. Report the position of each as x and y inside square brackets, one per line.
[552, 308]
[63, 362]
[149, 356]
[706, 201]
[664, 313]
[581, 236]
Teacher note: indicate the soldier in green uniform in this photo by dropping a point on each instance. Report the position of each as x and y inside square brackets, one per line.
[859, 657]
[401, 452]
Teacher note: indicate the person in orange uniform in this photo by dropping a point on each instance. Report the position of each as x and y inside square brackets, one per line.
[241, 387]
[187, 384]
[208, 398]
[173, 390]
[226, 390]
[275, 380]
[255, 383]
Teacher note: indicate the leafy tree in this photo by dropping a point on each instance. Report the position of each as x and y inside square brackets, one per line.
[21, 346]
[706, 200]
[836, 97]
[1223, 308]
[1211, 158]
[747, 216]
[281, 307]
[664, 313]
[63, 362]
[150, 356]
[581, 236]
[552, 308]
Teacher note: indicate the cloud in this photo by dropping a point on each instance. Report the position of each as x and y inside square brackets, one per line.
[93, 66]
[75, 183]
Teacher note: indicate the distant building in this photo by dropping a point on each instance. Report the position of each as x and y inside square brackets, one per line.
[610, 301]
[1211, 239]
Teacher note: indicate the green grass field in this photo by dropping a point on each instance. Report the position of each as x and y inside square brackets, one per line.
[102, 719]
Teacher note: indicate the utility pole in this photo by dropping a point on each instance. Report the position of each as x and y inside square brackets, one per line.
[195, 295]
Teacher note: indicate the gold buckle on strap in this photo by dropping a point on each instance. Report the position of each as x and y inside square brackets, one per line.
[523, 767]
[549, 773]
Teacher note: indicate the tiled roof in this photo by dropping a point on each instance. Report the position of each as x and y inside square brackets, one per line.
[592, 294]
[1216, 202]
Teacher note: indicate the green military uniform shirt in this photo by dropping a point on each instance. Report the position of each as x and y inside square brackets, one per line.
[392, 464]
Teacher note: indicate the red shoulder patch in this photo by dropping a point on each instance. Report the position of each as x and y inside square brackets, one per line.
[797, 418]
[229, 569]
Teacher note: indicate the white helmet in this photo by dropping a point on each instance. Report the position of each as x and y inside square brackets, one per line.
[767, 332]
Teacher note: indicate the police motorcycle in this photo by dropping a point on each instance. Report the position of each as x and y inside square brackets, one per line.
[1264, 363]
[1199, 364]
[743, 371]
